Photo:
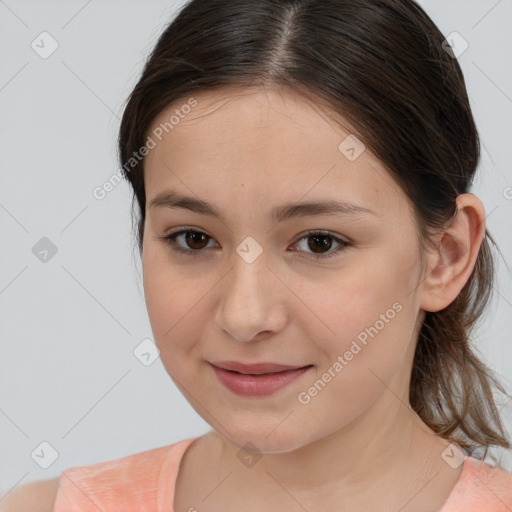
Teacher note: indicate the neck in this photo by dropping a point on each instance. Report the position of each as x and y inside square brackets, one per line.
[357, 464]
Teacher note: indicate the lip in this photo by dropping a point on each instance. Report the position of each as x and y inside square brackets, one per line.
[255, 368]
[260, 379]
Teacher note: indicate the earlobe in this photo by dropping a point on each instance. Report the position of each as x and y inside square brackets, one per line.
[450, 266]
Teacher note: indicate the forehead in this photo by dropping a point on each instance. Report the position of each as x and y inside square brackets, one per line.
[272, 144]
[253, 109]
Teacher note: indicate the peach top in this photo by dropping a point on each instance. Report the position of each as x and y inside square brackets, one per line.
[146, 481]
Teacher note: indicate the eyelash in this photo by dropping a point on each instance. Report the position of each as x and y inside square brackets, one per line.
[170, 239]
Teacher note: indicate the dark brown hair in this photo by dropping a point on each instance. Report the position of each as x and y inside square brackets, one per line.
[382, 66]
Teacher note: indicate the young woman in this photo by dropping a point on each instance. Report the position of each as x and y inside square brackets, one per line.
[313, 261]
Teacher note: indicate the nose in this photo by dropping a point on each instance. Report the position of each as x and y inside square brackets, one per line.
[252, 301]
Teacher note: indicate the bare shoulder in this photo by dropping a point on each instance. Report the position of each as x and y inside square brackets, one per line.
[36, 496]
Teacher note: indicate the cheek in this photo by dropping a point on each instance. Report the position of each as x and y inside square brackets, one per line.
[172, 299]
[373, 334]
[367, 313]
[157, 291]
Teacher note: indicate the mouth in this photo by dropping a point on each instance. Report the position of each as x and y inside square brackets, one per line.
[255, 368]
[259, 379]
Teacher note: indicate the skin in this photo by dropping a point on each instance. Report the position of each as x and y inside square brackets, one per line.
[356, 445]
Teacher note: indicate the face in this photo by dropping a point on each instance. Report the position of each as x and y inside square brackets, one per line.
[332, 292]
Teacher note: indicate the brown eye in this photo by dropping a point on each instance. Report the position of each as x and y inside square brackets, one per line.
[195, 239]
[192, 242]
[320, 243]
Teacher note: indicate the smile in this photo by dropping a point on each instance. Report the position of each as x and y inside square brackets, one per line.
[259, 383]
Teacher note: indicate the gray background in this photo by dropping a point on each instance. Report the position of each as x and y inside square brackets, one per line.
[68, 375]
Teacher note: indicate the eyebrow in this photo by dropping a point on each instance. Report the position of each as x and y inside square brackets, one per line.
[170, 199]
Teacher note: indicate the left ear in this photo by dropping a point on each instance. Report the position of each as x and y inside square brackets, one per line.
[451, 264]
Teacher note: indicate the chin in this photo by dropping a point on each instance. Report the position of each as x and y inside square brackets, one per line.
[256, 439]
